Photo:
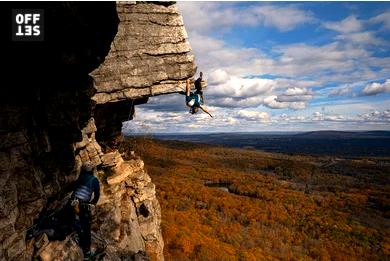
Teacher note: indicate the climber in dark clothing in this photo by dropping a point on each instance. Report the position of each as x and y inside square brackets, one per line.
[195, 100]
[198, 85]
[86, 186]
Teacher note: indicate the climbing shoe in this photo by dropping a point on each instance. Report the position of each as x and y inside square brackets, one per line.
[90, 255]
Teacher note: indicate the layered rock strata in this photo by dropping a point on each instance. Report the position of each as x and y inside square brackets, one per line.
[149, 55]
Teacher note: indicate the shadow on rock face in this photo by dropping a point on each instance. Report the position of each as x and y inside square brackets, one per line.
[45, 104]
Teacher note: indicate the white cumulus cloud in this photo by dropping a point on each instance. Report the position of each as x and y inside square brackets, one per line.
[352, 30]
[273, 103]
[376, 116]
[242, 87]
[208, 16]
[348, 25]
[376, 88]
[295, 95]
[383, 18]
[318, 116]
[253, 115]
[218, 76]
[361, 38]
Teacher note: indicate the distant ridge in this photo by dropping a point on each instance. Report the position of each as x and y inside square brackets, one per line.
[326, 142]
[331, 134]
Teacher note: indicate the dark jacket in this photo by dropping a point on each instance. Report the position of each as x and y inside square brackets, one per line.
[88, 180]
[198, 85]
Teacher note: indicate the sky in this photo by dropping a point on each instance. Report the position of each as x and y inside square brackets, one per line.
[282, 66]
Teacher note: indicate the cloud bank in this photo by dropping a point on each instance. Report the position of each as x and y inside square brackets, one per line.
[307, 71]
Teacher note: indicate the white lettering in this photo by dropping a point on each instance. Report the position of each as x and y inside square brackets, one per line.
[19, 19]
[19, 33]
[27, 18]
[28, 30]
[27, 24]
[36, 30]
[36, 18]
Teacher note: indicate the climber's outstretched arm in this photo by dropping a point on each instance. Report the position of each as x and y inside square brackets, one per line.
[206, 111]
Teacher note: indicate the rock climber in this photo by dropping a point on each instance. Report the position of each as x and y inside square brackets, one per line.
[195, 100]
[198, 85]
[86, 193]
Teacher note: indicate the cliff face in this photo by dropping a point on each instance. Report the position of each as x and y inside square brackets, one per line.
[78, 86]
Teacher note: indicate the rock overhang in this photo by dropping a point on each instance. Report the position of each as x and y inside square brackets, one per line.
[149, 56]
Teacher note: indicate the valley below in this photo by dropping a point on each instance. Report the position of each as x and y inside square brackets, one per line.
[223, 203]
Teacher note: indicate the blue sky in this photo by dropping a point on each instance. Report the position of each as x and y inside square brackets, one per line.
[283, 66]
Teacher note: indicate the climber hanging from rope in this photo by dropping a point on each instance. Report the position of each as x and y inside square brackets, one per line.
[195, 100]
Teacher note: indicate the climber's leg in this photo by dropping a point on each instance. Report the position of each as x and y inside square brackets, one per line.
[189, 95]
[188, 89]
[85, 221]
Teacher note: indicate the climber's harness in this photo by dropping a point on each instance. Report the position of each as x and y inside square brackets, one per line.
[82, 196]
[75, 203]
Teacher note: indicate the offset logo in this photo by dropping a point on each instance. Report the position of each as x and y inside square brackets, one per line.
[27, 25]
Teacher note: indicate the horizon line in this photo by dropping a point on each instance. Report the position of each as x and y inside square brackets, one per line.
[249, 132]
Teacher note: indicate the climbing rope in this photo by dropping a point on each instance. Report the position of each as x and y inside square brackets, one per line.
[122, 139]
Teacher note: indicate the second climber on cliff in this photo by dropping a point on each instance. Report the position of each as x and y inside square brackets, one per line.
[195, 100]
[87, 186]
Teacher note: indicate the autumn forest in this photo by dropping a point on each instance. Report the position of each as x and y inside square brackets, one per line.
[222, 203]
